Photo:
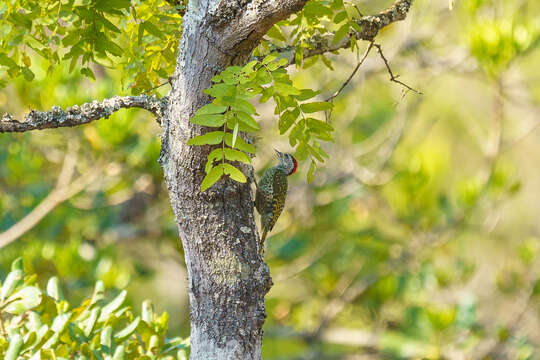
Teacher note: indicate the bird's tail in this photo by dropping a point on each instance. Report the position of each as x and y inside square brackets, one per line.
[261, 243]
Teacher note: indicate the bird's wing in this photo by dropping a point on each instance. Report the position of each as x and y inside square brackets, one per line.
[278, 201]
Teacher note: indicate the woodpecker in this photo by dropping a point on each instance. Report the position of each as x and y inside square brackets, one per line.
[272, 191]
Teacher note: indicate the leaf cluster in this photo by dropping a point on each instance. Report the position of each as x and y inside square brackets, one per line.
[36, 324]
[233, 114]
[305, 28]
[139, 36]
[496, 40]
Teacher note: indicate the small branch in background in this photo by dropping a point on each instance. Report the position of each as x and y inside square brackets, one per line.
[370, 25]
[79, 115]
[393, 77]
[65, 189]
[68, 167]
[169, 81]
[334, 95]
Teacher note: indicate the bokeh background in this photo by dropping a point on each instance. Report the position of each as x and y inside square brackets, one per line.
[417, 239]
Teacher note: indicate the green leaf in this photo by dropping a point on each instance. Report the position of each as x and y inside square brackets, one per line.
[109, 25]
[15, 346]
[148, 308]
[220, 90]
[128, 330]
[316, 106]
[301, 152]
[88, 72]
[13, 279]
[211, 138]
[275, 33]
[267, 94]
[105, 339]
[235, 134]
[249, 67]
[98, 294]
[282, 62]
[327, 62]
[54, 290]
[119, 353]
[311, 172]
[341, 32]
[306, 94]
[209, 120]
[140, 34]
[6, 61]
[211, 109]
[22, 300]
[316, 9]
[113, 305]
[28, 74]
[240, 144]
[60, 322]
[91, 321]
[234, 173]
[236, 155]
[287, 119]
[248, 120]
[285, 89]
[243, 105]
[340, 16]
[215, 155]
[17, 264]
[315, 124]
[269, 58]
[212, 177]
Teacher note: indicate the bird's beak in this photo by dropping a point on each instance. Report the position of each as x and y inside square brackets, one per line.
[278, 154]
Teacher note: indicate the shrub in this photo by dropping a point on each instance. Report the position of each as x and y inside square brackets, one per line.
[36, 324]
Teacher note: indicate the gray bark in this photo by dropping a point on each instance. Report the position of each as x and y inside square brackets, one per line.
[79, 115]
[227, 278]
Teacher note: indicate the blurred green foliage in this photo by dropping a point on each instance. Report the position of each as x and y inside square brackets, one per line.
[417, 238]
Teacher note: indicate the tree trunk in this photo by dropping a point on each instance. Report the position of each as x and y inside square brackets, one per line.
[227, 278]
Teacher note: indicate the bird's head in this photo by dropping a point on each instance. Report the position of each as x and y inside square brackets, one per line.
[287, 162]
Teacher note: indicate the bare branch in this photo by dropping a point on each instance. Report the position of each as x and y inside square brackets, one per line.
[392, 76]
[370, 25]
[334, 95]
[62, 192]
[79, 115]
[243, 23]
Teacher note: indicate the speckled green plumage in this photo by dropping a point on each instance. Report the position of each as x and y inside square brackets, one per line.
[270, 199]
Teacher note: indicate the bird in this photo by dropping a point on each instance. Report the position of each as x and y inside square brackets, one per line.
[272, 192]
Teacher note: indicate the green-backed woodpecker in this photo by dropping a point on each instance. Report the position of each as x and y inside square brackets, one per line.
[272, 191]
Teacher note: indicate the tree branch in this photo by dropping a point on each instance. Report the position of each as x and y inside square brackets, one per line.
[370, 25]
[79, 115]
[63, 191]
[243, 23]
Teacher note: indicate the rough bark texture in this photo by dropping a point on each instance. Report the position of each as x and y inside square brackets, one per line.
[227, 278]
[78, 115]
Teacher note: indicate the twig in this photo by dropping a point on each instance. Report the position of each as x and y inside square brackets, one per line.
[302, 263]
[335, 94]
[169, 81]
[392, 76]
[370, 26]
[60, 194]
